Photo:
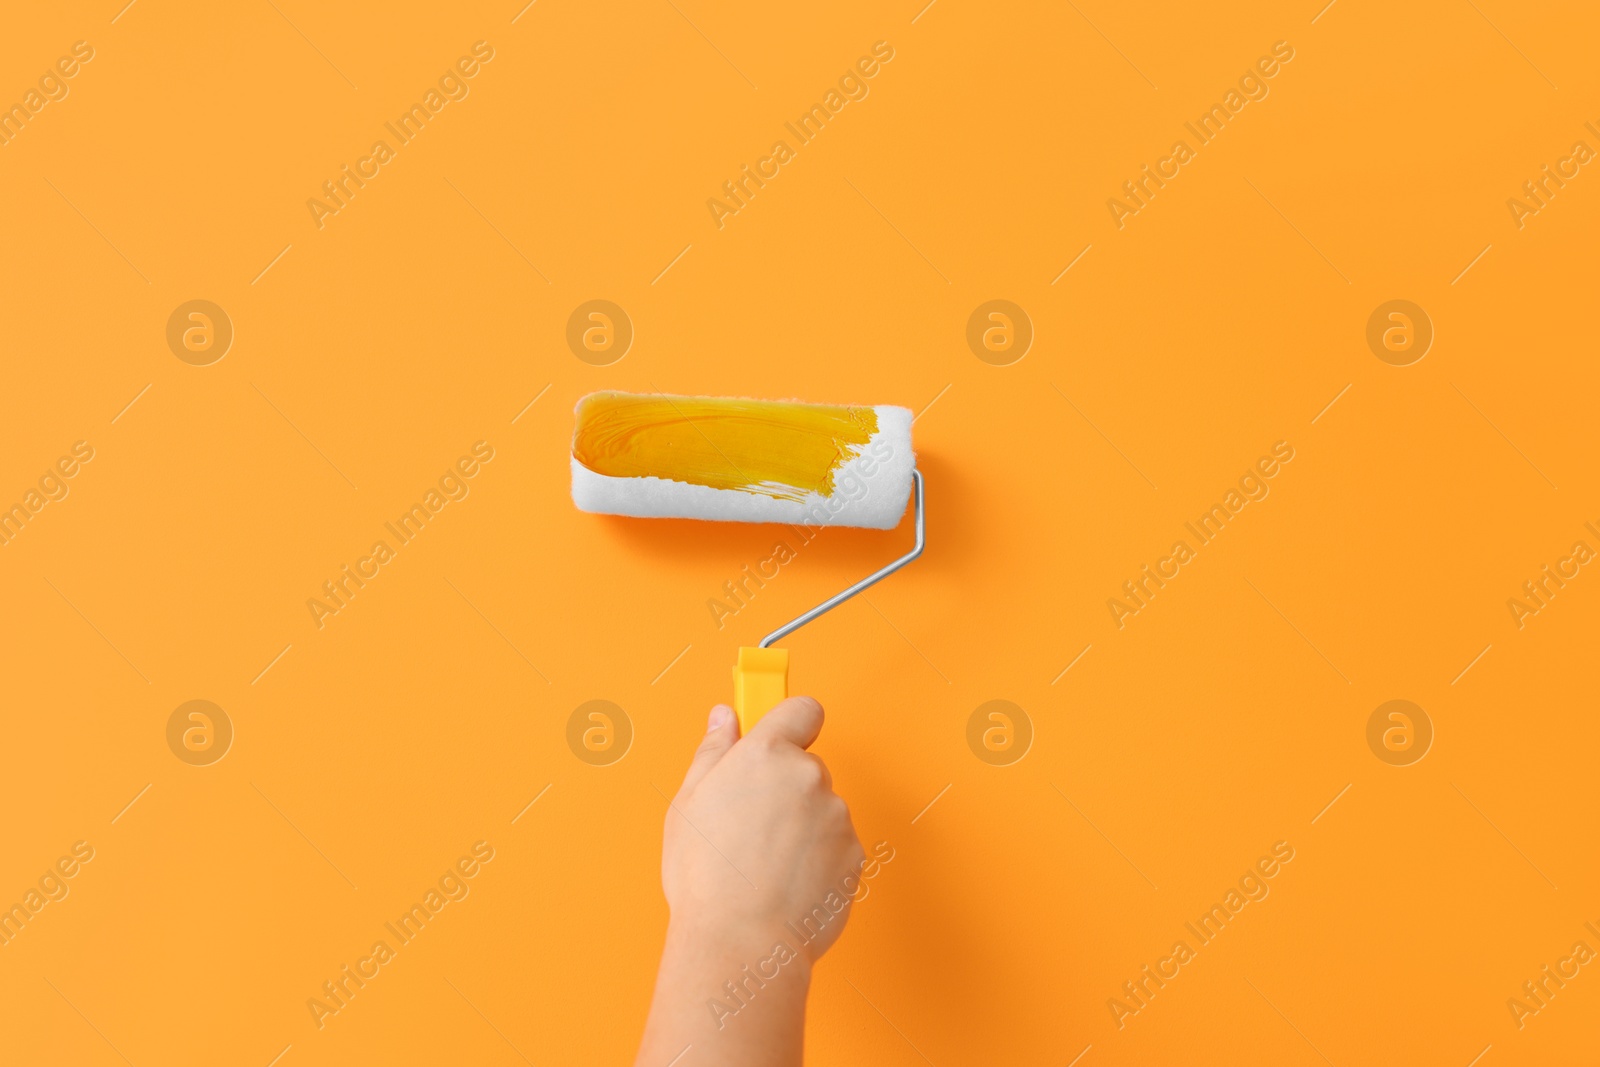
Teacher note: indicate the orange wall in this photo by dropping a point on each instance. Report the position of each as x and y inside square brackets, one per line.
[373, 747]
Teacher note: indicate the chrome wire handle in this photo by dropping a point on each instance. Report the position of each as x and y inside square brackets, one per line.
[871, 579]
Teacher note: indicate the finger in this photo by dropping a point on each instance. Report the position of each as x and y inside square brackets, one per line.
[827, 775]
[797, 720]
[722, 730]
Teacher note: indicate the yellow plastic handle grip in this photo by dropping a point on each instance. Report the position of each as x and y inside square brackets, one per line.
[760, 681]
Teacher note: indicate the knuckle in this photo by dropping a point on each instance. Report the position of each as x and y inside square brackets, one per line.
[809, 773]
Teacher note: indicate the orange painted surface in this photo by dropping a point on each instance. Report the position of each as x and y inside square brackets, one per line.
[396, 371]
[779, 449]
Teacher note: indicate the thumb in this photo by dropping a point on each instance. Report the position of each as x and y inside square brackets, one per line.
[797, 720]
[722, 730]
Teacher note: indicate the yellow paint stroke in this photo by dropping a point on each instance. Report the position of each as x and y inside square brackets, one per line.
[782, 450]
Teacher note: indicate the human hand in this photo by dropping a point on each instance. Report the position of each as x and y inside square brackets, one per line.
[757, 838]
[759, 863]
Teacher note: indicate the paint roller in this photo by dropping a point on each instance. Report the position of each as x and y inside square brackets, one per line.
[735, 460]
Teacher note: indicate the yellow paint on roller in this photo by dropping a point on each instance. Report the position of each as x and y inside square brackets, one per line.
[782, 450]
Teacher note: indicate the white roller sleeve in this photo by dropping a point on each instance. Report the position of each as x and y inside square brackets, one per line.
[871, 489]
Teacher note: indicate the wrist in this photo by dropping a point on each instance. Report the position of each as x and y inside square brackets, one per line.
[734, 990]
[727, 951]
